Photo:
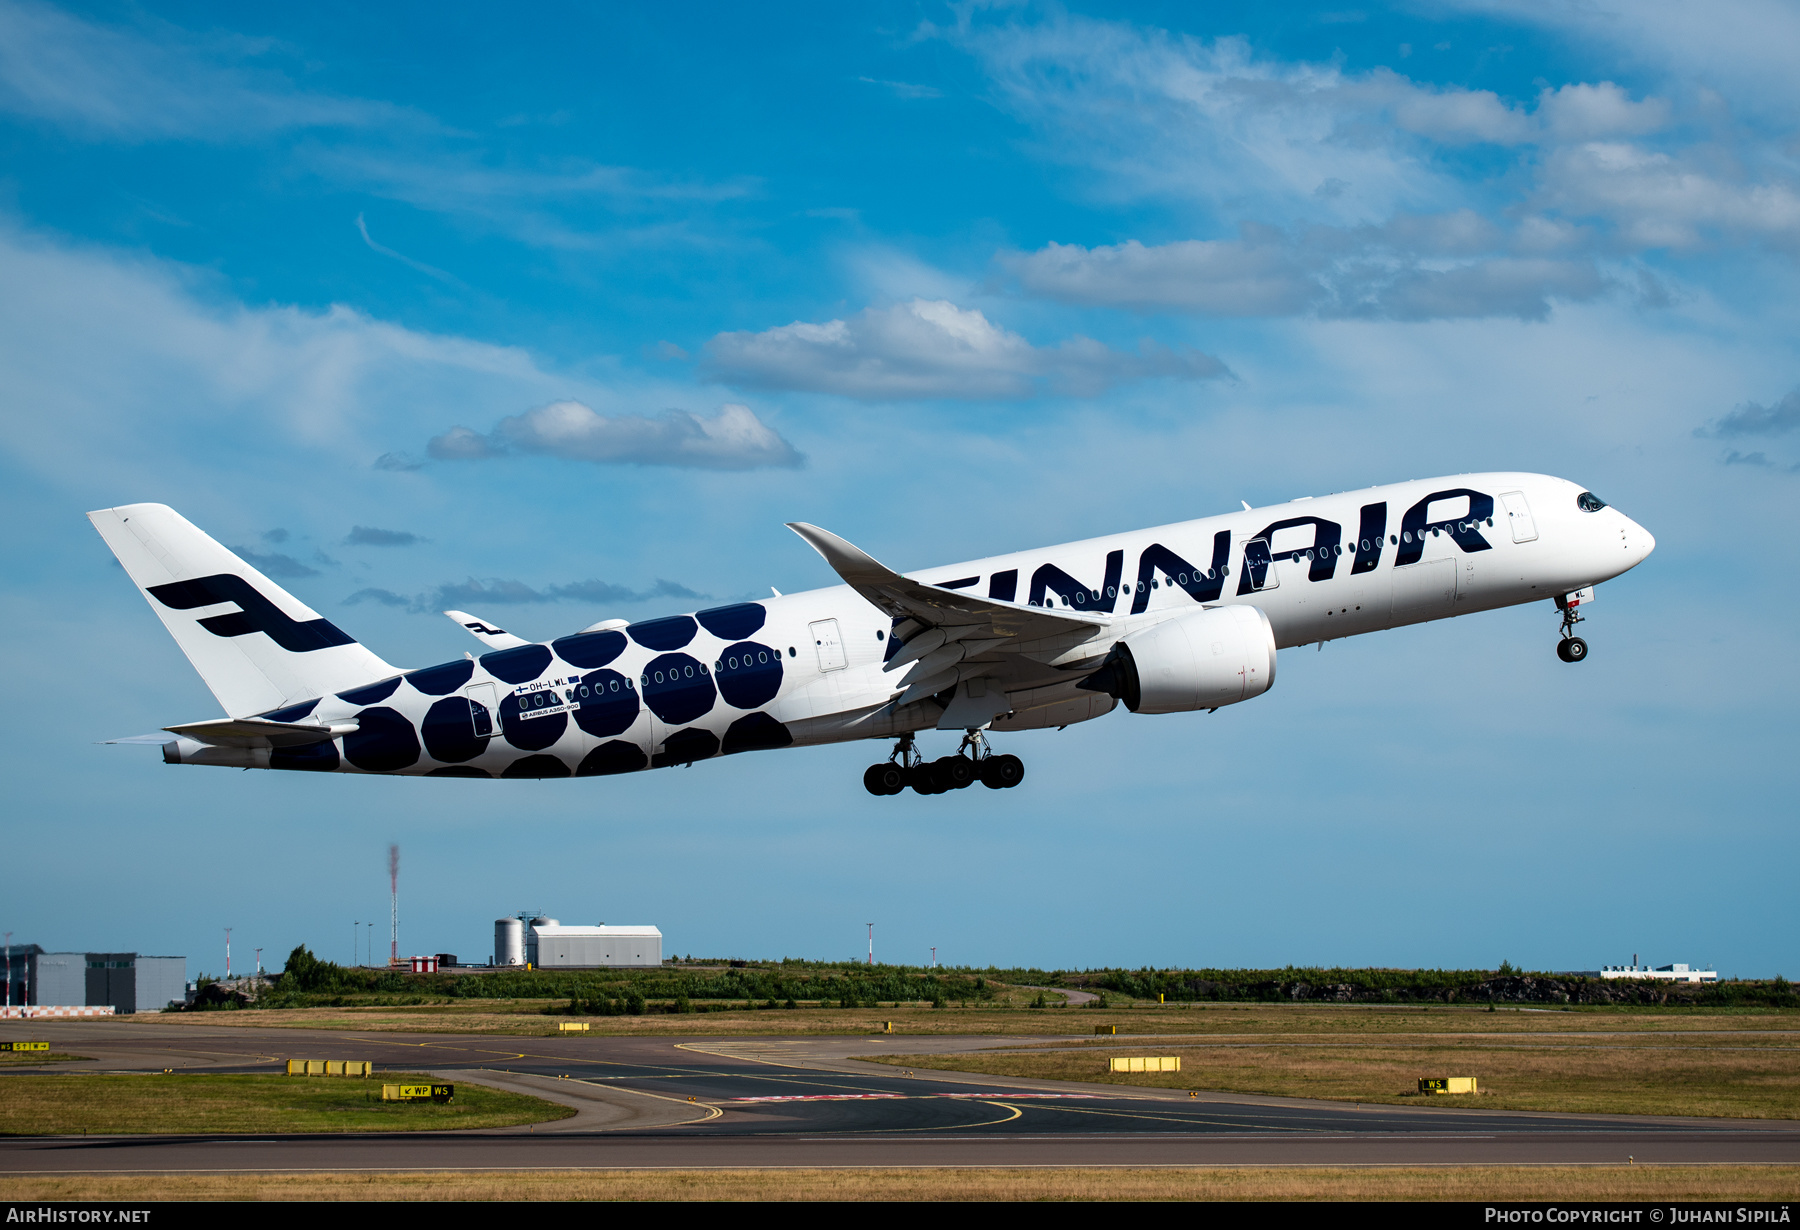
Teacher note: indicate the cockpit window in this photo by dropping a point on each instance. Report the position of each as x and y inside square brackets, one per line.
[1590, 502]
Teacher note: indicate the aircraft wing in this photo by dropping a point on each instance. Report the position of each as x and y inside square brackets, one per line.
[955, 629]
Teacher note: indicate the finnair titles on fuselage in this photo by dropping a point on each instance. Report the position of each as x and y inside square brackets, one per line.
[1167, 620]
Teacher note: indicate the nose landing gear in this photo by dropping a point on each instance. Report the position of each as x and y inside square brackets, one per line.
[1571, 648]
[973, 762]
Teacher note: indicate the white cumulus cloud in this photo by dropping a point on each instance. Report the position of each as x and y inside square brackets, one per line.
[733, 439]
[931, 348]
[1209, 277]
[1435, 267]
[1658, 200]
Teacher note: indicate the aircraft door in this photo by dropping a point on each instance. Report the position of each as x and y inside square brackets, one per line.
[1260, 572]
[1518, 516]
[484, 707]
[830, 644]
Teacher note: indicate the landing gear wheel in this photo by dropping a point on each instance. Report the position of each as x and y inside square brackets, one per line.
[1002, 772]
[955, 772]
[901, 770]
[926, 779]
[1571, 648]
[882, 779]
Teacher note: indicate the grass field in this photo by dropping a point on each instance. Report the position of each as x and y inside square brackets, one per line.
[527, 1018]
[1736, 1073]
[64, 1104]
[1533, 1183]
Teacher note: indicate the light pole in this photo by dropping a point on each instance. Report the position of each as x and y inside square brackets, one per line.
[9, 969]
[259, 962]
[871, 943]
[228, 954]
[934, 956]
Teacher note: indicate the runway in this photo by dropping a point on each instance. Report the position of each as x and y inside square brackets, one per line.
[662, 1102]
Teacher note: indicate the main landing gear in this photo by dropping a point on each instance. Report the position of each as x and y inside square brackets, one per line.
[974, 762]
[1571, 648]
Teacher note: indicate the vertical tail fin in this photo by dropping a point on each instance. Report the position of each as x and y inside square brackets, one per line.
[256, 645]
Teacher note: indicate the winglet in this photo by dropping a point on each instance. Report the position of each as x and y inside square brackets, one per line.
[856, 566]
[491, 635]
[934, 607]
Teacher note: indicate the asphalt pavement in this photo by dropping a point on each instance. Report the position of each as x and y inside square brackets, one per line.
[731, 1102]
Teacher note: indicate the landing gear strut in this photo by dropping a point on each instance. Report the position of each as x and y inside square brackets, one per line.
[893, 777]
[994, 772]
[973, 762]
[1571, 648]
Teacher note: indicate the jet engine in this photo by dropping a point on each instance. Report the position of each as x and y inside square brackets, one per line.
[1200, 660]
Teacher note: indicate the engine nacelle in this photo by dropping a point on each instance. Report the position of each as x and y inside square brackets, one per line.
[1200, 660]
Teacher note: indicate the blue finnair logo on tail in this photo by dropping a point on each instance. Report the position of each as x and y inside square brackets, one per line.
[255, 614]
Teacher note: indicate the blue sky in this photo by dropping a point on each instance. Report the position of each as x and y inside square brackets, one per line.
[560, 319]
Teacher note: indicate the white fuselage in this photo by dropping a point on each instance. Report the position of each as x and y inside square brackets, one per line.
[610, 701]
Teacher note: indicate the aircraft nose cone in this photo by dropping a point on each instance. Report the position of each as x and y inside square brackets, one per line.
[1642, 541]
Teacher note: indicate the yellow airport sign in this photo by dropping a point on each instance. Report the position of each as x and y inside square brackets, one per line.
[417, 1093]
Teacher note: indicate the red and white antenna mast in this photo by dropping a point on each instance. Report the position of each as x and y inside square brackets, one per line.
[393, 905]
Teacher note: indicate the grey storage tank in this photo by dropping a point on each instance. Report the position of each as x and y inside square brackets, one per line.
[509, 942]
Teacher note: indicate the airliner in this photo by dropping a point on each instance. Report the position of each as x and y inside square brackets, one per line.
[1173, 619]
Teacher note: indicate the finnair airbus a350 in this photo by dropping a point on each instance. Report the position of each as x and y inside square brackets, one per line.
[1167, 620]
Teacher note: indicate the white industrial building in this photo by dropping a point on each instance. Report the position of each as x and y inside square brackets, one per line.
[544, 943]
[1662, 973]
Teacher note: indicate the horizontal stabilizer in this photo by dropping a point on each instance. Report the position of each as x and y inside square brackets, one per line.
[259, 732]
[491, 635]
